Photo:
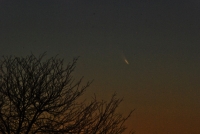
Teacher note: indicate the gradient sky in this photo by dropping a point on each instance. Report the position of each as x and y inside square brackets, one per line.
[159, 38]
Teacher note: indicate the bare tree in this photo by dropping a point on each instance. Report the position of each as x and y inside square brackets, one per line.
[39, 96]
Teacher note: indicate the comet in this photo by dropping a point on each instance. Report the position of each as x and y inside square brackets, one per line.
[125, 59]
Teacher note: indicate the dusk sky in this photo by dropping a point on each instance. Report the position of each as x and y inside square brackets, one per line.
[147, 51]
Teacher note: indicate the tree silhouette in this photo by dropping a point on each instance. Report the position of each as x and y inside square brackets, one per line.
[39, 96]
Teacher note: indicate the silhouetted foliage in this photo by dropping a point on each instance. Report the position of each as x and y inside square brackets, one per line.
[39, 96]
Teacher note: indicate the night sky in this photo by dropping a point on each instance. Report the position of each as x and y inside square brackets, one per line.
[147, 51]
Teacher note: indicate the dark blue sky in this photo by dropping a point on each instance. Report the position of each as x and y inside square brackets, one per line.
[159, 39]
